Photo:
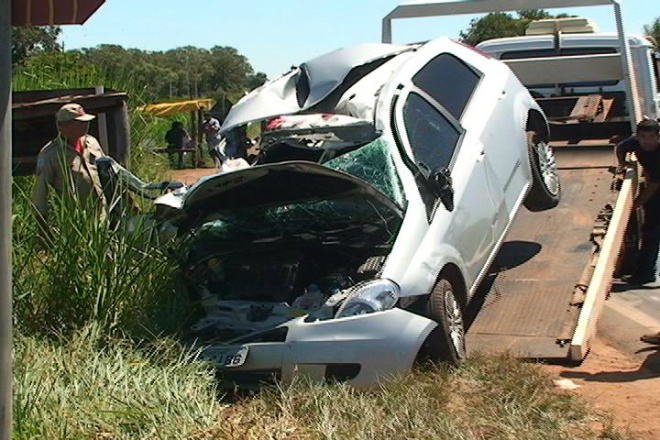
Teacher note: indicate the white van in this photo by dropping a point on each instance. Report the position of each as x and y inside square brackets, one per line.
[559, 65]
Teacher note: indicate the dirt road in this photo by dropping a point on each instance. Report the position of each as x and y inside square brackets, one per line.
[190, 176]
[625, 387]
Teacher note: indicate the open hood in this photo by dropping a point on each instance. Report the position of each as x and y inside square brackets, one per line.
[278, 184]
[307, 85]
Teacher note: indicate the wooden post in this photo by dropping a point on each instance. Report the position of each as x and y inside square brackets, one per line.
[123, 130]
[103, 124]
[5, 222]
[600, 283]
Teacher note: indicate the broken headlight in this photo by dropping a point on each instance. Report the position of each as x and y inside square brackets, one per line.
[374, 296]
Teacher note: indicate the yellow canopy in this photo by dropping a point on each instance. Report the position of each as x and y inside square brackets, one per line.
[172, 108]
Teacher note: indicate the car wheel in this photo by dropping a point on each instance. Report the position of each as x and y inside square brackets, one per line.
[546, 189]
[447, 341]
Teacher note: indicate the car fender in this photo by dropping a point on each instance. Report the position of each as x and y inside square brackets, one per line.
[426, 265]
[384, 344]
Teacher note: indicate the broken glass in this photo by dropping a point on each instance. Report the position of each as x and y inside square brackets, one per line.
[372, 163]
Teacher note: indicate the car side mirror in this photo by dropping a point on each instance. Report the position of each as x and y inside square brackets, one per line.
[441, 183]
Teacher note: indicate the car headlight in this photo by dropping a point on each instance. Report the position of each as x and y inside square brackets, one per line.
[374, 296]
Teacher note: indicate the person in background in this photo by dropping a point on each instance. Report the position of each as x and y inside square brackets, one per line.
[214, 140]
[645, 144]
[67, 164]
[177, 138]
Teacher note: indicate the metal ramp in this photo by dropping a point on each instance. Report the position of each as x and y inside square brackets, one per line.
[529, 303]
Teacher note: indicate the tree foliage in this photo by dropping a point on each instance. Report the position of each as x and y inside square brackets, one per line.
[30, 41]
[653, 30]
[177, 73]
[500, 25]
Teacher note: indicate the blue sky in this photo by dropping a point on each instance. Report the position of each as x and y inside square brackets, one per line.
[275, 34]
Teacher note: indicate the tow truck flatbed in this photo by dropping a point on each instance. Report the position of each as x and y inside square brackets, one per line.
[527, 303]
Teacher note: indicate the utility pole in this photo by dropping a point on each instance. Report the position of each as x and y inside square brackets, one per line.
[5, 221]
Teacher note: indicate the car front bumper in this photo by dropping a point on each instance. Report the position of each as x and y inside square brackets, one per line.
[361, 350]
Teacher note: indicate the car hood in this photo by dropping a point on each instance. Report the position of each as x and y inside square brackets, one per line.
[319, 77]
[277, 184]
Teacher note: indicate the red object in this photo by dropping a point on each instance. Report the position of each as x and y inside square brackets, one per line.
[78, 147]
[52, 12]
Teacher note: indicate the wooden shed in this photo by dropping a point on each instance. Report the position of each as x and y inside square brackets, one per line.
[33, 123]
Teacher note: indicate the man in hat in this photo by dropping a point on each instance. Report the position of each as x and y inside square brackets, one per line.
[68, 162]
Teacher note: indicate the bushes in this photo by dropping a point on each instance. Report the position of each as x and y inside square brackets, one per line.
[87, 271]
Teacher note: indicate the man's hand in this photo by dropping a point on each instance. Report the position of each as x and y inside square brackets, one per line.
[622, 167]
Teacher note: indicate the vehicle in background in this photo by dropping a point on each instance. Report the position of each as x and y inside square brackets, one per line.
[575, 73]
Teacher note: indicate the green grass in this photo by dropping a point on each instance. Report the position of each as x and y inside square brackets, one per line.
[87, 387]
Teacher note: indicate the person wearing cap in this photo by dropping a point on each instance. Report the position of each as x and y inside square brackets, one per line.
[68, 163]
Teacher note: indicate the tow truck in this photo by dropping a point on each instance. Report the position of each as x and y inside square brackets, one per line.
[547, 288]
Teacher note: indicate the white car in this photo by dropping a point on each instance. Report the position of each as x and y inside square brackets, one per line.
[387, 180]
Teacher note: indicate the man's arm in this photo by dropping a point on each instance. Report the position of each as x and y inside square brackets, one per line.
[621, 152]
[648, 190]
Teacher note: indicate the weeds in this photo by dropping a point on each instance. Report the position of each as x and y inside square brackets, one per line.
[82, 388]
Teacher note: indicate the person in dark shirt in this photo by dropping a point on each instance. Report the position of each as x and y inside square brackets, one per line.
[646, 146]
[177, 138]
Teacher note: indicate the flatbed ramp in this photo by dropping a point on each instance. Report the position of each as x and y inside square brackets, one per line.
[529, 302]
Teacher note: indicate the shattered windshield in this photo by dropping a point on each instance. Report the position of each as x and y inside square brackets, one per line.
[373, 164]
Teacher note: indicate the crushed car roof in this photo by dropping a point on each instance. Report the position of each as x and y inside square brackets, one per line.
[307, 85]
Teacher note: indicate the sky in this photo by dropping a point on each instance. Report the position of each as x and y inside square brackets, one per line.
[276, 34]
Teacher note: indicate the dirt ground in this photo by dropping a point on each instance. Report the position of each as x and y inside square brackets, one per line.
[191, 175]
[623, 386]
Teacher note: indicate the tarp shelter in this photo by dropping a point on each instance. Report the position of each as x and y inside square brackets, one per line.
[173, 108]
[19, 13]
[196, 109]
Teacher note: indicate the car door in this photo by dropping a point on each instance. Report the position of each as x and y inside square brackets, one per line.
[428, 117]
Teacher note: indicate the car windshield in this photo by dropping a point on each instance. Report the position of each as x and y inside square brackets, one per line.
[371, 163]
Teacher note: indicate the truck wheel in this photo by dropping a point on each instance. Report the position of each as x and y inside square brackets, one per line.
[446, 342]
[546, 189]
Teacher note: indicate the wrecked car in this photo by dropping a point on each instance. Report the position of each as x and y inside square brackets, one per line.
[387, 179]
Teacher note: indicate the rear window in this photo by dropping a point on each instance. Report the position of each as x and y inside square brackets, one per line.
[564, 52]
[449, 81]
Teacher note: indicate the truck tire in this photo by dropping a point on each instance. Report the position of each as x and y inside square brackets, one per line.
[446, 343]
[545, 192]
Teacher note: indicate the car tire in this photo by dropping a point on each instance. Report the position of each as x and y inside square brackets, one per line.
[545, 192]
[446, 343]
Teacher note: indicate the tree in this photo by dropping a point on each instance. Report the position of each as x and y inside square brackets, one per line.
[653, 30]
[500, 25]
[29, 41]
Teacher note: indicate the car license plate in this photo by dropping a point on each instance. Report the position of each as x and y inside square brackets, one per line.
[230, 358]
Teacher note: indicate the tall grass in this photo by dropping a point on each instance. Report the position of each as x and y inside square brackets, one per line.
[78, 389]
[84, 269]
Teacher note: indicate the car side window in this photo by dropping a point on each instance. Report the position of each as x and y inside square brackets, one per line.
[432, 137]
[449, 81]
